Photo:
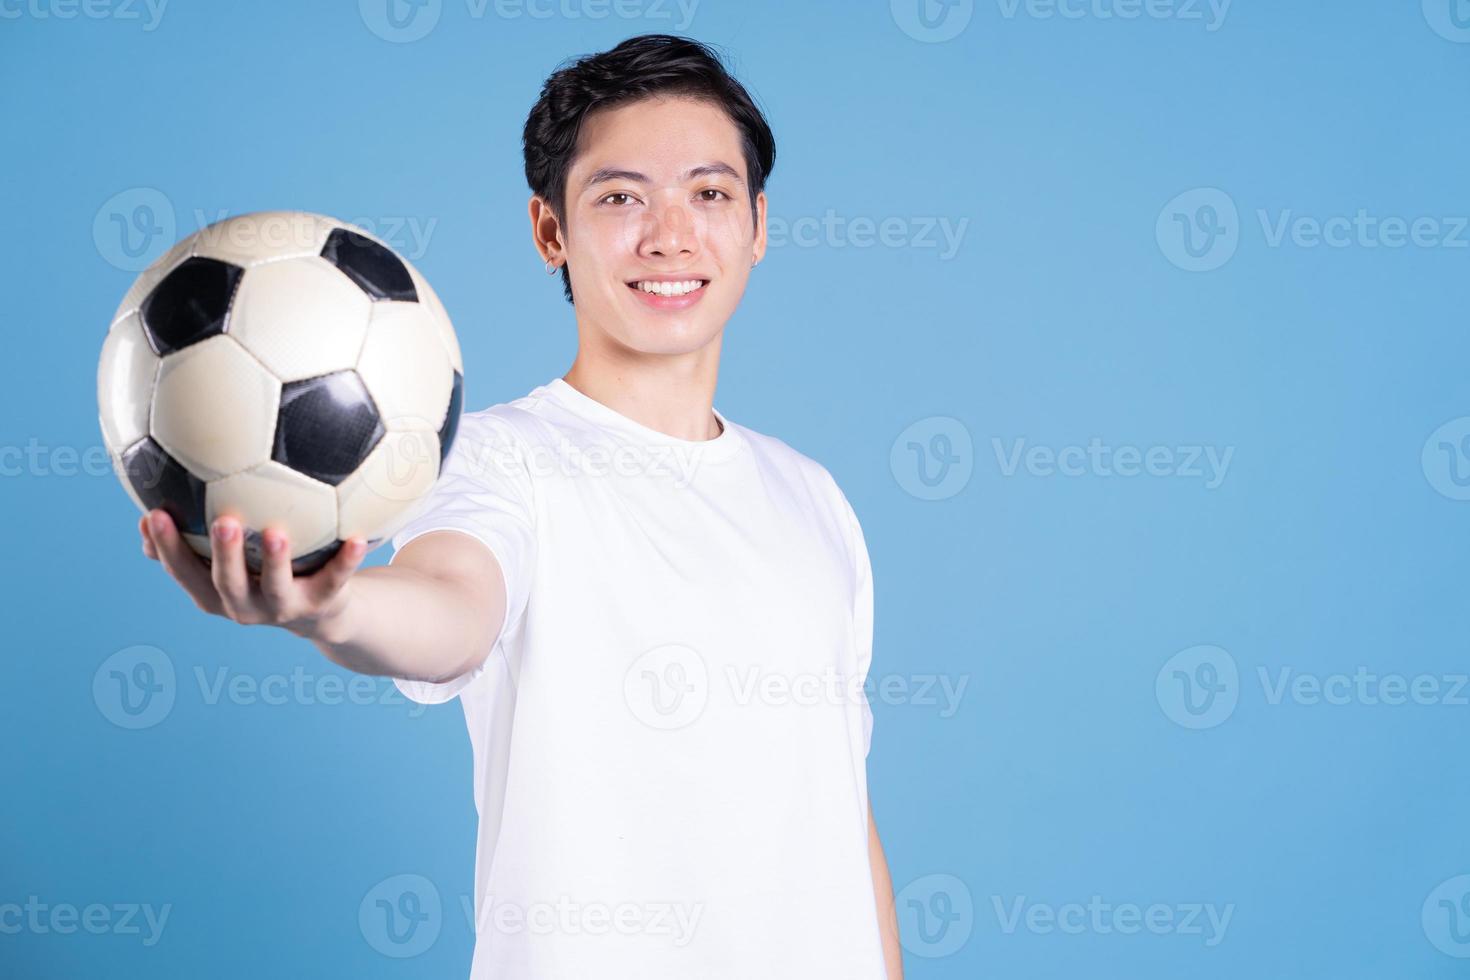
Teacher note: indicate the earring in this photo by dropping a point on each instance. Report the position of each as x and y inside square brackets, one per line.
[550, 268]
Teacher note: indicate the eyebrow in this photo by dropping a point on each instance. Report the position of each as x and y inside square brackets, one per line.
[603, 174]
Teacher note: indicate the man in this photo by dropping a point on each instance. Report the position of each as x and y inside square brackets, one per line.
[657, 620]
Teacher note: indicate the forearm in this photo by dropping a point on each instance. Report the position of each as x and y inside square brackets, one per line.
[883, 893]
[397, 621]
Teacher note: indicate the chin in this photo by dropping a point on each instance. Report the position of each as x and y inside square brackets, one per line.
[667, 338]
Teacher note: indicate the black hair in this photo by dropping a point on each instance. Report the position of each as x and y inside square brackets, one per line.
[641, 67]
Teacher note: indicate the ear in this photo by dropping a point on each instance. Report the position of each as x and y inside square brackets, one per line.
[546, 230]
[759, 247]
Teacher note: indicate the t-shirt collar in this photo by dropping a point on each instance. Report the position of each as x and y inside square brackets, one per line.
[587, 407]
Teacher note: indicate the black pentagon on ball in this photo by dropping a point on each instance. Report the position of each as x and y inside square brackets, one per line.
[451, 419]
[189, 304]
[380, 273]
[327, 426]
[161, 482]
[253, 548]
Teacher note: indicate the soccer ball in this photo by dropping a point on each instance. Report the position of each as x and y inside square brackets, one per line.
[289, 369]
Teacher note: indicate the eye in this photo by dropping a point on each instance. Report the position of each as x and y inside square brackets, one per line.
[715, 190]
[613, 195]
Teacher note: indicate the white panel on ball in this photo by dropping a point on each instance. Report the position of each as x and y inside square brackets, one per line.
[376, 499]
[214, 409]
[405, 367]
[302, 318]
[274, 495]
[430, 299]
[125, 376]
[264, 236]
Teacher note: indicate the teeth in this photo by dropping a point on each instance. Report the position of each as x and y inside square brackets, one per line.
[670, 288]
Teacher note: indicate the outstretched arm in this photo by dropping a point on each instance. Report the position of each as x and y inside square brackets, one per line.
[430, 614]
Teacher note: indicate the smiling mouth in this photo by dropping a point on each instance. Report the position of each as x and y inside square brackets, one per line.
[680, 288]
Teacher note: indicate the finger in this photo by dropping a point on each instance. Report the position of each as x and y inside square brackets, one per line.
[181, 562]
[227, 567]
[148, 549]
[276, 580]
[326, 582]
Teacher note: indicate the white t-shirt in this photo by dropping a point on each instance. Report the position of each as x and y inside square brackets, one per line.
[670, 734]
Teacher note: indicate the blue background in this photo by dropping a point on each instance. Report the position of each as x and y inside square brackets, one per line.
[1330, 545]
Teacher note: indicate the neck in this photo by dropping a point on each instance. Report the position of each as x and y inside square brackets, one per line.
[669, 394]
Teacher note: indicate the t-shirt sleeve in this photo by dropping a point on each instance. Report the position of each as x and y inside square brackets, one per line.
[862, 615]
[484, 491]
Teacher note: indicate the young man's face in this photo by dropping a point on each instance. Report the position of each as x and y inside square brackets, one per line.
[658, 194]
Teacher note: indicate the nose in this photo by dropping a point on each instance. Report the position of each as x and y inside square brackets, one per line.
[669, 231]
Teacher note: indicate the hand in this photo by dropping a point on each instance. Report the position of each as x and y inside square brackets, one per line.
[307, 606]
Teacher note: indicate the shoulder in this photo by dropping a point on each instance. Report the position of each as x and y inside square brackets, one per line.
[519, 422]
[817, 492]
[776, 453]
[801, 472]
